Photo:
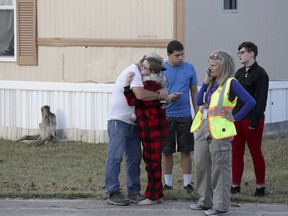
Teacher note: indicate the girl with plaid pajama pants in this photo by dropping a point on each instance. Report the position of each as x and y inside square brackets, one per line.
[152, 124]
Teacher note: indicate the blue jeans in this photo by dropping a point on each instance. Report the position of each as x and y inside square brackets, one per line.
[123, 138]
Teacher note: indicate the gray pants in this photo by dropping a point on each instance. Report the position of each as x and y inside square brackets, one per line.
[213, 172]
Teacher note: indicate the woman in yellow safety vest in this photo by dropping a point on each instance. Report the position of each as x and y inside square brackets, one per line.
[215, 130]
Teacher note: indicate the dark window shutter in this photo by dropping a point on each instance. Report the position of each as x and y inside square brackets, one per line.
[27, 32]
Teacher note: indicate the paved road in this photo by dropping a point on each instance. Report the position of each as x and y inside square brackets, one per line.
[37, 207]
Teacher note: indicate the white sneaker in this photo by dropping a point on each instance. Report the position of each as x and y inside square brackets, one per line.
[198, 207]
[215, 212]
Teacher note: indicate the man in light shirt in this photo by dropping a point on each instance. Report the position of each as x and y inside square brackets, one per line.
[123, 138]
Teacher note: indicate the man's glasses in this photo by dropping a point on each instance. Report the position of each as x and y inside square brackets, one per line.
[241, 52]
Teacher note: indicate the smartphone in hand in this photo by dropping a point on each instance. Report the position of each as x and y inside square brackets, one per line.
[209, 72]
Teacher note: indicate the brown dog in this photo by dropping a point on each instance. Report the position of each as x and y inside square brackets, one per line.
[47, 128]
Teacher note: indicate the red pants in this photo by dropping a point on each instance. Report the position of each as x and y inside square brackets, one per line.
[253, 138]
[152, 158]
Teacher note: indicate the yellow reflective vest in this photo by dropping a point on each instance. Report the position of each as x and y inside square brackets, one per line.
[219, 127]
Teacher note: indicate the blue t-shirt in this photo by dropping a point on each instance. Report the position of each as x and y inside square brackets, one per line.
[179, 79]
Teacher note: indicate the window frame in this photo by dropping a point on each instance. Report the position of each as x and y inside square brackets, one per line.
[230, 10]
[11, 7]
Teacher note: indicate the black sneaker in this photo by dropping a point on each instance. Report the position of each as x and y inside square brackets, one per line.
[189, 188]
[135, 198]
[260, 192]
[235, 190]
[118, 199]
[167, 187]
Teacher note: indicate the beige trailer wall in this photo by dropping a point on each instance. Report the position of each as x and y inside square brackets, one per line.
[125, 19]
[93, 40]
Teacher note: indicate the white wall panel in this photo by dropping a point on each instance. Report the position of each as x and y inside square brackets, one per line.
[268, 111]
[81, 109]
[278, 102]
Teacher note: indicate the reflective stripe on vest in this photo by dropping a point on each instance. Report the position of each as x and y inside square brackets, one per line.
[219, 127]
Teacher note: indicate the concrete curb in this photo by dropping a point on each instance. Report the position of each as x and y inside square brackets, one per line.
[31, 207]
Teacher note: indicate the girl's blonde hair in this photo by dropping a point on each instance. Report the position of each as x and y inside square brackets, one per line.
[155, 64]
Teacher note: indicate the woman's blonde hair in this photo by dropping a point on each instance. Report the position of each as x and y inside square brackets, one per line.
[227, 65]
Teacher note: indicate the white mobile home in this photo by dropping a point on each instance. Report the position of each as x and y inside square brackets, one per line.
[68, 53]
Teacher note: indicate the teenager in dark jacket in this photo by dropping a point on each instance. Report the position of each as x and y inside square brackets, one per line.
[255, 81]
